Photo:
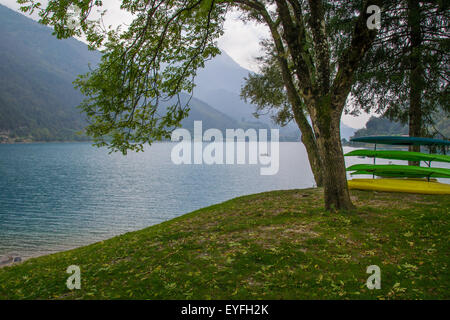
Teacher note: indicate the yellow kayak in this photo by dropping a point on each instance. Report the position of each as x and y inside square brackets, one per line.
[400, 185]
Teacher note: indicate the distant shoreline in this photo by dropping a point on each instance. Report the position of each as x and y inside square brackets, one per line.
[37, 142]
[90, 141]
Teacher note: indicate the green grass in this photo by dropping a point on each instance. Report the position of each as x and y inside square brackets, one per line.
[275, 245]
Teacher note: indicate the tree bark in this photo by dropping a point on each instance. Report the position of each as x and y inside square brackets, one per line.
[337, 196]
[309, 140]
[416, 76]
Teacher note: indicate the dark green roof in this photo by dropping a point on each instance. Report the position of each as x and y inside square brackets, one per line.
[402, 140]
[398, 155]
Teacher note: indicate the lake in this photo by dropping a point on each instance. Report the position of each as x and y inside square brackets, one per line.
[58, 196]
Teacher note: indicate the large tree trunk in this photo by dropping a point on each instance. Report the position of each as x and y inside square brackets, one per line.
[328, 136]
[416, 76]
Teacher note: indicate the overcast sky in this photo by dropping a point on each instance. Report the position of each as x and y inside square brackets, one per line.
[240, 41]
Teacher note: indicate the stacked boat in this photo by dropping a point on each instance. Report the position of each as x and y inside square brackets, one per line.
[400, 178]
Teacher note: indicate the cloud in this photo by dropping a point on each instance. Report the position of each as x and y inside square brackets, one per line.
[241, 40]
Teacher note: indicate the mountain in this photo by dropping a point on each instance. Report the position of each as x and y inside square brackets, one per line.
[37, 98]
[210, 117]
[219, 84]
[220, 74]
[38, 101]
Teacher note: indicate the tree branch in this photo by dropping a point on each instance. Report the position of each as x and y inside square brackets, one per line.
[349, 61]
[321, 46]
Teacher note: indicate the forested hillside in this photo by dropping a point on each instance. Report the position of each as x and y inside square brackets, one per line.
[37, 98]
[382, 127]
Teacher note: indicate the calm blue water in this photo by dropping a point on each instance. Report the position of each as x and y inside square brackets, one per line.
[56, 197]
[59, 196]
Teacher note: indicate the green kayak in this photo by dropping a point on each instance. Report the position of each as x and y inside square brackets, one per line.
[393, 170]
[398, 155]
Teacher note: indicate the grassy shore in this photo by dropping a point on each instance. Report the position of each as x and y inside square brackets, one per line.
[275, 245]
